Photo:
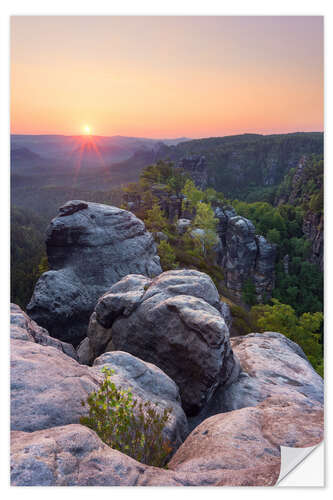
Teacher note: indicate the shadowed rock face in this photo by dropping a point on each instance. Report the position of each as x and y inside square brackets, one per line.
[244, 254]
[173, 321]
[89, 247]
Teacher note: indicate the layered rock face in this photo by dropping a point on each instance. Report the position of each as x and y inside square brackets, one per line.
[245, 255]
[89, 247]
[173, 321]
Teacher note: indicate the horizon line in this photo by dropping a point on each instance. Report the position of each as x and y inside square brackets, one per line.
[169, 138]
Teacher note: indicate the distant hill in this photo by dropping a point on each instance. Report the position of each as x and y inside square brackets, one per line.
[24, 155]
[62, 147]
[235, 164]
[249, 167]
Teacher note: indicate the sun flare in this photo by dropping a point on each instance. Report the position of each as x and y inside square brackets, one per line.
[87, 129]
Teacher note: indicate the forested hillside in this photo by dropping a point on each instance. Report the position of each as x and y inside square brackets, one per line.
[274, 182]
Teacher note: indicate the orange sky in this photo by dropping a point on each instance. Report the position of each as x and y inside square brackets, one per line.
[166, 76]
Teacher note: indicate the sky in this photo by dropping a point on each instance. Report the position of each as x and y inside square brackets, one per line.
[166, 77]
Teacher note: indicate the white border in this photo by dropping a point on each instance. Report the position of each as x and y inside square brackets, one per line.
[140, 7]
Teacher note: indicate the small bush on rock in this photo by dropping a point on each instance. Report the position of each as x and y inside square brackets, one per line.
[133, 428]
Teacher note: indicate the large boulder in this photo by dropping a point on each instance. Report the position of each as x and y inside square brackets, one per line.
[271, 365]
[48, 386]
[89, 247]
[173, 321]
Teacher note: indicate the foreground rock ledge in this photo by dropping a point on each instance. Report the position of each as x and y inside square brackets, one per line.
[89, 247]
[240, 448]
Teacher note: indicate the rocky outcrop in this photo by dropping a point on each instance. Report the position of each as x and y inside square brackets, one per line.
[276, 400]
[173, 321]
[48, 386]
[240, 448]
[244, 255]
[271, 365]
[89, 247]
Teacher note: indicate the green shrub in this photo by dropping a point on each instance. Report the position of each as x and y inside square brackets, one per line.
[167, 256]
[241, 322]
[305, 330]
[126, 425]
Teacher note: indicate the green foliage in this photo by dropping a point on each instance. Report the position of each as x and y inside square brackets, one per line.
[205, 220]
[167, 256]
[43, 265]
[273, 236]
[306, 188]
[27, 251]
[155, 220]
[302, 288]
[305, 330]
[249, 292]
[126, 425]
[241, 322]
[192, 193]
[252, 154]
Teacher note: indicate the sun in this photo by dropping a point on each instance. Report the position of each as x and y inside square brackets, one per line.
[87, 129]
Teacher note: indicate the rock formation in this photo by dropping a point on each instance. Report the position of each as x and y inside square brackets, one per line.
[272, 365]
[244, 254]
[89, 248]
[248, 440]
[48, 386]
[173, 321]
[239, 448]
[274, 401]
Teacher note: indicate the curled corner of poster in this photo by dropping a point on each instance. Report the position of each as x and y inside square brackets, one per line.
[302, 466]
